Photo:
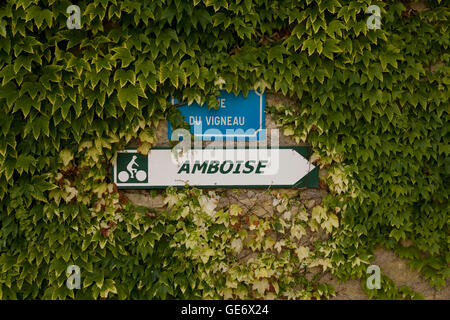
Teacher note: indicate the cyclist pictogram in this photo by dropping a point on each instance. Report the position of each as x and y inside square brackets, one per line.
[133, 170]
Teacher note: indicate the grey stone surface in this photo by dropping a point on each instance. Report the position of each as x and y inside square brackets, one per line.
[161, 134]
[398, 270]
[144, 199]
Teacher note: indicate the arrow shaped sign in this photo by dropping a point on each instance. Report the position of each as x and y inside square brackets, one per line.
[236, 168]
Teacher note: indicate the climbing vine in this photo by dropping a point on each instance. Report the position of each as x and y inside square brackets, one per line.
[372, 103]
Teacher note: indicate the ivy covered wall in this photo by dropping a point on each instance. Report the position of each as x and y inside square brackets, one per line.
[372, 103]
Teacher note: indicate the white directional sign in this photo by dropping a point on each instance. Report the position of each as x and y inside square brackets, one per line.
[239, 167]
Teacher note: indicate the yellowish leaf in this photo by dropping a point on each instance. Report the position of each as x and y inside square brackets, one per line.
[66, 156]
[261, 286]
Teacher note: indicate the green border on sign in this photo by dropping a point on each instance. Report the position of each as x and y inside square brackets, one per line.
[311, 180]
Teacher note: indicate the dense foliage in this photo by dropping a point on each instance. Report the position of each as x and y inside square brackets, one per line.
[372, 103]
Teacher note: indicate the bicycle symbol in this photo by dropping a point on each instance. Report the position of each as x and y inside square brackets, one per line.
[132, 173]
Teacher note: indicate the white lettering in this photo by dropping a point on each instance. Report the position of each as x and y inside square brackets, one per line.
[198, 310]
[74, 21]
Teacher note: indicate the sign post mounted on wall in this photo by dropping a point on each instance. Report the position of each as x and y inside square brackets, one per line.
[238, 117]
[239, 167]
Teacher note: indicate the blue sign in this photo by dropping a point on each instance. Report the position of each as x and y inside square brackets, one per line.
[237, 117]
